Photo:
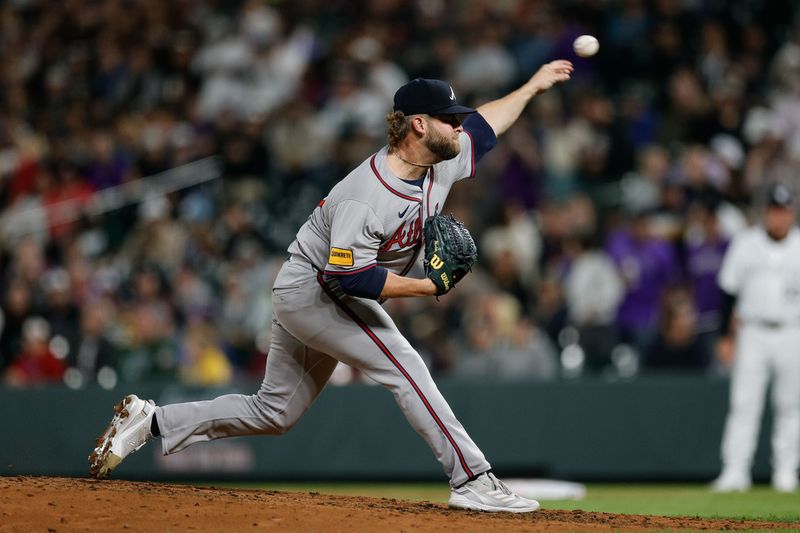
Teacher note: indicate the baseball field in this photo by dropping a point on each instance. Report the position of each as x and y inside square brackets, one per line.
[69, 504]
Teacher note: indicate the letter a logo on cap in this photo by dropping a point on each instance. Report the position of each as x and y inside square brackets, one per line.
[421, 96]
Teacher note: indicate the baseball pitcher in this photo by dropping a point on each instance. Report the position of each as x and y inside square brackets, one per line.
[352, 253]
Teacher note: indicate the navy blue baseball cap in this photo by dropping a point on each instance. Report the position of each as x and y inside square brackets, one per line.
[432, 97]
[779, 195]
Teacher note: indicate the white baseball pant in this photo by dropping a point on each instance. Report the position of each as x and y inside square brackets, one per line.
[764, 353]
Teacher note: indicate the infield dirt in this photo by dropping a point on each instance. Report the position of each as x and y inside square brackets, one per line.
[32, 504]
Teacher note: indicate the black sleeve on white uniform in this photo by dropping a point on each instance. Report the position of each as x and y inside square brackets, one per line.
[483, 137]
[728, 303]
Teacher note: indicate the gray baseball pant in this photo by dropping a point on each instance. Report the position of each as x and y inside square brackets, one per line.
[316, 326]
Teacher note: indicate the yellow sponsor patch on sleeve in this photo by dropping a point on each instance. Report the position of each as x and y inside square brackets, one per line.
[341, 257]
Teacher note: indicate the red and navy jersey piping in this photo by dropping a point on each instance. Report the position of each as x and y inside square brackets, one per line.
[349, 272]
[393, 191]
[430, 188]
[388, 353]
[472, 154]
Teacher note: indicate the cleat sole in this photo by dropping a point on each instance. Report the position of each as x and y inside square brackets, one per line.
[101, 462]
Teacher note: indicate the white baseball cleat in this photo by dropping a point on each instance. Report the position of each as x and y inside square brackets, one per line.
[128, 431]
[731, 481]
[487, 493]
[784, 481]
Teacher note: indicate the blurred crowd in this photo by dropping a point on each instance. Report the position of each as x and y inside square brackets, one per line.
[601, 217]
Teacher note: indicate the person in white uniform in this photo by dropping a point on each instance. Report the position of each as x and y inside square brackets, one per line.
[760, 278]
[353, 252]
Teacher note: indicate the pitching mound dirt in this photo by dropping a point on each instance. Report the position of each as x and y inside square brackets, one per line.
[29, 504]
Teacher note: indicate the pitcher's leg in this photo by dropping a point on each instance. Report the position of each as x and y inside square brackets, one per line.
[366, 338]
[426, 409]
[294, 377]
[747, 390]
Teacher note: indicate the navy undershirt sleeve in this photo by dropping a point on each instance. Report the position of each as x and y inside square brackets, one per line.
[366, 284]
[483, 137]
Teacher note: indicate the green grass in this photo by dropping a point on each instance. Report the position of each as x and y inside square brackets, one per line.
[761, 503]
[679, 500]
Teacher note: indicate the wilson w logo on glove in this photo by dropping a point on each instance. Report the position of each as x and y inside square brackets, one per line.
[450, 251]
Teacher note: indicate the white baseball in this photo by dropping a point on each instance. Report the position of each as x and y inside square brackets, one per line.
[586, 45]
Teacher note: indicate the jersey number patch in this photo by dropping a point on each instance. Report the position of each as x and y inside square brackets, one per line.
[341, 257]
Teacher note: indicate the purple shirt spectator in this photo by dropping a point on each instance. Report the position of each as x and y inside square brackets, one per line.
[108, 165]
[102, 174]
[520, 183]
[648, 265]
[703, 261]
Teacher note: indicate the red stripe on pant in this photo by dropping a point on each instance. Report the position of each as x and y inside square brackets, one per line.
[397, 364]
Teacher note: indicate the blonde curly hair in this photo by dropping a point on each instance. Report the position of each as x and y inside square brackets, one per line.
[397, 127]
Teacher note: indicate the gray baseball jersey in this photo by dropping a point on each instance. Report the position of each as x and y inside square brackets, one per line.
[370, 217]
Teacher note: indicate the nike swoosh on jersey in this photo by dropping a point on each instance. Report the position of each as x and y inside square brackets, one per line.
[402, 213]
